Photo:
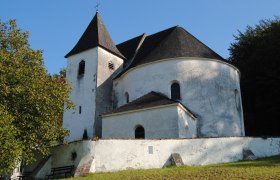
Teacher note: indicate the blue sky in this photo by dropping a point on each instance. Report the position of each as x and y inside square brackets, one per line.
[55, 26]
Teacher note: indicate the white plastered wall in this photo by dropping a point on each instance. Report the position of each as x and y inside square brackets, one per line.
[158, 122]
[208, 88]
[187, 127]
[83, 94]
[114, 155]
[84, 150]
[167, 121]
[104, 84]
[92, 91]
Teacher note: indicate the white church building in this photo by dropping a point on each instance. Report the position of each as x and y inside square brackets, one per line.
[164, 85]
[148, 102]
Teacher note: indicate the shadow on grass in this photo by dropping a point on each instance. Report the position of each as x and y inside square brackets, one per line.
[265, 168]
[270, 161]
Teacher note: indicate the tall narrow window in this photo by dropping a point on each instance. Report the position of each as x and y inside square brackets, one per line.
[175, 91]
[237, 100]
[126, 96]
[80, 109]
[81, 70]
[139, 132]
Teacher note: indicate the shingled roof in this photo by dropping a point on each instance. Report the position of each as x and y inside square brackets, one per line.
[149, 100]
[177, 43]
[95, 35]
[130, 47]
[170, 43]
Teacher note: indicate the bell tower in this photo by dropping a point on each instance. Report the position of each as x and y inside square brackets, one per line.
[91, 65]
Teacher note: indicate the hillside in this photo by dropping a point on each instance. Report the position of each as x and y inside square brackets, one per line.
[265, 168]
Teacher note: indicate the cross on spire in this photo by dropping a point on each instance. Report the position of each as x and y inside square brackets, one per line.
[97, 6]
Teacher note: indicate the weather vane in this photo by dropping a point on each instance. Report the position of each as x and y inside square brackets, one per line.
[97, 5]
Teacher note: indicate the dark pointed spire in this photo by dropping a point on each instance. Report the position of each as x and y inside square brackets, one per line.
[95, 35]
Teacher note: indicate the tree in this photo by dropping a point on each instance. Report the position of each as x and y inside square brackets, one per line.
[9, 145]
[256, 53]
[31, 100]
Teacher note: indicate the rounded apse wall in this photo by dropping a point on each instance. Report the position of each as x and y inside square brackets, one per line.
[209, 88]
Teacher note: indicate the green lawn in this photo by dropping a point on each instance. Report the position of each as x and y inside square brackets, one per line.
[266, 168]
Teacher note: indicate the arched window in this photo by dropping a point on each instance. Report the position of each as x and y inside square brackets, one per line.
[126, 95]
[81, 70]
[175, 91]
[139, 132]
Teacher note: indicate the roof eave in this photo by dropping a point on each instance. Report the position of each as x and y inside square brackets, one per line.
[138, 110]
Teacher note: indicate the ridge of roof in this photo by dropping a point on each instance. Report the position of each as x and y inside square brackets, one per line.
[95, 35]
[129, 48]
[149, 42]
[171, 43]
[149, 100]
[179, 43]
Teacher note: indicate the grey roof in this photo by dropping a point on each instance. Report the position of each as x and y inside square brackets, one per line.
[95, 35]
[129, 48]
[178, 43]
[170, 43]
[149, 100]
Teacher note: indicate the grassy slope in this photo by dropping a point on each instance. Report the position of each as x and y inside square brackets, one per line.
[266, 168]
